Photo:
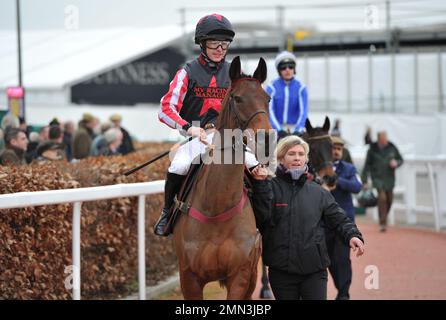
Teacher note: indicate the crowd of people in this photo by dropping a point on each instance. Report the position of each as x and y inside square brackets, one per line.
[20, 144]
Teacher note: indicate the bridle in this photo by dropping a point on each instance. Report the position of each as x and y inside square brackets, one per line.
[325, 163]
[242, 124]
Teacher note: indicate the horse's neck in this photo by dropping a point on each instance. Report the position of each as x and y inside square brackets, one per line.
[219, 187]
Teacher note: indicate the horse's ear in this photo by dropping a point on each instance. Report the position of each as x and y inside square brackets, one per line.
[261, 71]
[326, 126]
[308, 126]
[236, 69]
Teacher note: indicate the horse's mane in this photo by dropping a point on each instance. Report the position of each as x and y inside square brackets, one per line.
[224, 119]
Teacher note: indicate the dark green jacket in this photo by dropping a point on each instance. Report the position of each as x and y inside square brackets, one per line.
[377, 165]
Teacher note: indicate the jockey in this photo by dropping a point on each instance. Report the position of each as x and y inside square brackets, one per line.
[193, 103]
[288, 107]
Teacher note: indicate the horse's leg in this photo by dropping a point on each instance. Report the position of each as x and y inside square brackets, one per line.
[191, 286]
[252, 285]
[239, 285]
[254, 267]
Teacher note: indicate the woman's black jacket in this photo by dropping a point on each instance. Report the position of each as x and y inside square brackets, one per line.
[291, 215]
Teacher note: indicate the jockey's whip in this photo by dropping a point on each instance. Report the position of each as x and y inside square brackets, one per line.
[161, 155]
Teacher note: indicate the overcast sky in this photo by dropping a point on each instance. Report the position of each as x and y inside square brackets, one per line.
[322, 14]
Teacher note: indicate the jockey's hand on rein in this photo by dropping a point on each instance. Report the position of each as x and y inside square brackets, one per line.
[198, 132]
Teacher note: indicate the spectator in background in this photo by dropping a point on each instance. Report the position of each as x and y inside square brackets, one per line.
[348, 182]
[113, 137]
[16, 143]
[53, 149]
[83, 136]
[336, 131]
[24, 126]
[368, 136]
[288, 108]
[68, 133]
[127, 144]
[54, 122]
[99, 142]
[10, 121]
[31, 151]
[44, 134]
[382, 159]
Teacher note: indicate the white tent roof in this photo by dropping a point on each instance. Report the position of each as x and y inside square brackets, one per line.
[55, 59]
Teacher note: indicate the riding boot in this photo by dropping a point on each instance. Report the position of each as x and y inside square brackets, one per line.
[173, 185]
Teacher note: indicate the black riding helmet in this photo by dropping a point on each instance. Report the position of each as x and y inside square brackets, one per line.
[213, 26]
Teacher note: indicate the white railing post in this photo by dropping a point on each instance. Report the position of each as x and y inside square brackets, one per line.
[441, 192]
[141, 247]
[410, 194]
[430, 172]
[77, 250]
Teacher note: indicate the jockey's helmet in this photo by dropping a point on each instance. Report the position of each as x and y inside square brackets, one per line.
[285, 58]
[214, 26]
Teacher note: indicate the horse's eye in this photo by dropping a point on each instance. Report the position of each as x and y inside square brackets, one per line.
[238, 99]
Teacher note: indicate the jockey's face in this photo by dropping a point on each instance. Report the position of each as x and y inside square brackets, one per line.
[216, 50]
[287, 71]
[295, 158]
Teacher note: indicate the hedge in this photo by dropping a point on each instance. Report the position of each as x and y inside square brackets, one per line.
[35, 242]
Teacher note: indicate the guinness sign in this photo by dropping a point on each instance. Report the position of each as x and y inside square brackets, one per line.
[144, 80]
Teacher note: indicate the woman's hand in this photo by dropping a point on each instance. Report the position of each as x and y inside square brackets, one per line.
[259, 172]
[357, 245]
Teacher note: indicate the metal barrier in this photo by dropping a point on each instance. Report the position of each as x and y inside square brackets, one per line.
[77, 196]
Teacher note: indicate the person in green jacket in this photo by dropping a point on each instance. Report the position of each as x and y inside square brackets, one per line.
[382, 159]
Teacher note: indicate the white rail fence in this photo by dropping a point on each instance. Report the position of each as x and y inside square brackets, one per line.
[77, 196]
[407, 188]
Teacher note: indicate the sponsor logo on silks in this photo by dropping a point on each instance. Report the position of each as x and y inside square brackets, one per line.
[210, 92]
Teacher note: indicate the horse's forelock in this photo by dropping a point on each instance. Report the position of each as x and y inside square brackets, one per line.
[224, 117]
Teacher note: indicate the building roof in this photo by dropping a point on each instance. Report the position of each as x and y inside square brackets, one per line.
[53, 59]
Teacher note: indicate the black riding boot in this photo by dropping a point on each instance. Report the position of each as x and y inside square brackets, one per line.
[173, 185]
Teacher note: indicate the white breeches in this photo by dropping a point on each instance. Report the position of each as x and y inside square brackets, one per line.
[188, 152]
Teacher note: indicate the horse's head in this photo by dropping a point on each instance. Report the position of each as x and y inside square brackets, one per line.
[245, 106]
[321, 158]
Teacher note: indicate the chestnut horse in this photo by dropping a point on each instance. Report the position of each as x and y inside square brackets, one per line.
[211, 248]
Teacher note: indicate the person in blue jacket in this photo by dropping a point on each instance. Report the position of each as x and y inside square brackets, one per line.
[348, 182]
[288, 107]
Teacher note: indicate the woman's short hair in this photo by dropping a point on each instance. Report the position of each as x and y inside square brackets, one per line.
[287, 143]
[112, 135]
